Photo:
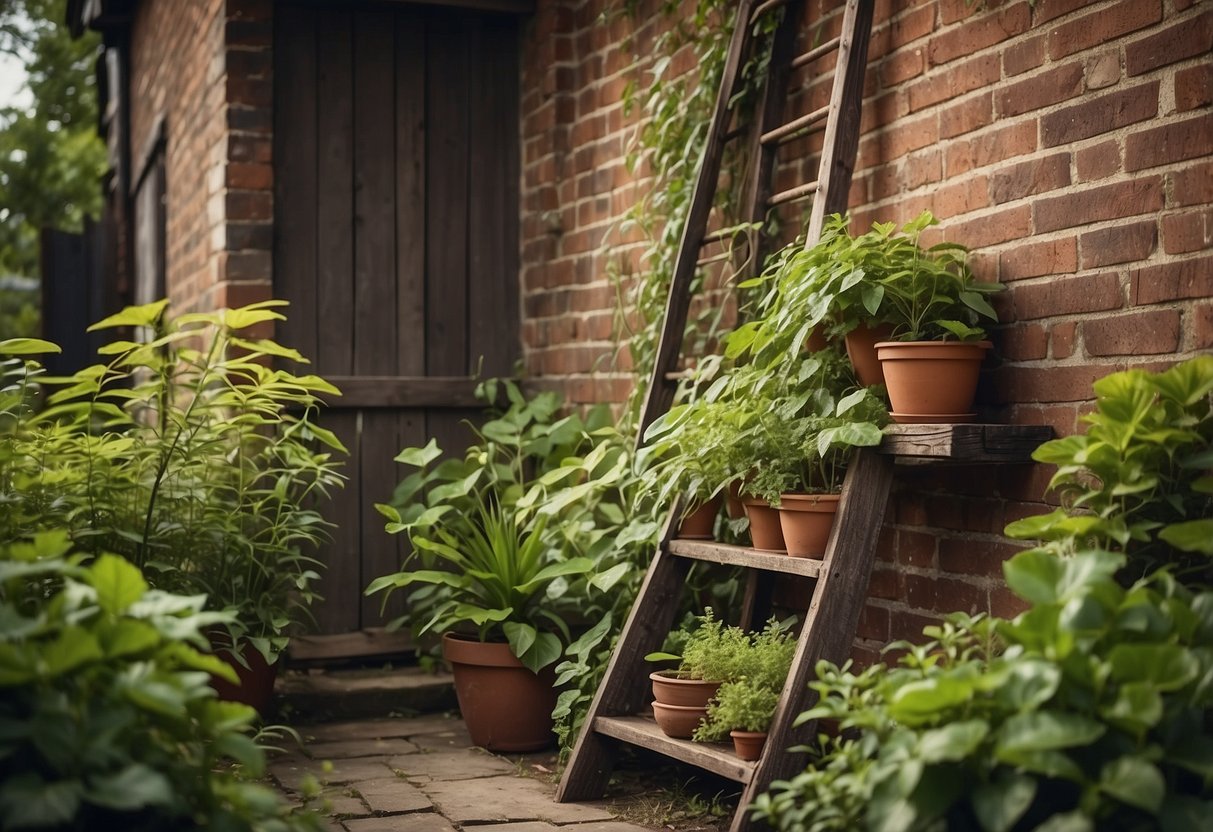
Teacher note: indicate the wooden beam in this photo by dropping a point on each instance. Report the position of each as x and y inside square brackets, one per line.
[372, 641]
[404, 392]
[965, 442]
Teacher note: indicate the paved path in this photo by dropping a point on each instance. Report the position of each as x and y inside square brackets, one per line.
[422, 774]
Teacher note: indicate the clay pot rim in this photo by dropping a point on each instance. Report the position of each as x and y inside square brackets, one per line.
[462, 649]
[676, 708]
[748, 735]
[823, 503]
[756, 501]
[660, 676]
[975, 348]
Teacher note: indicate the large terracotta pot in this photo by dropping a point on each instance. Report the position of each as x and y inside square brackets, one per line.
[748, 744]
[861, 349]
[256, 681]
[806, 520]
[700, 523]
[765, 532]
[931, 381]
[678, 721]
[669, 689]
[506, 706]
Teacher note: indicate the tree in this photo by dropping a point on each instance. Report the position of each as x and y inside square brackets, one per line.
[51, 160]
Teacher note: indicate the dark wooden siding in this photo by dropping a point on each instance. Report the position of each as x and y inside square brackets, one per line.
[396, 210]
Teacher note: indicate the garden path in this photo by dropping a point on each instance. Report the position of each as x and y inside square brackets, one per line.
[422, 774]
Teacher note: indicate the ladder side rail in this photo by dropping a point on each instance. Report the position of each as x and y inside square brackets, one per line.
[841, 140]
[660, 394]
[832, 618]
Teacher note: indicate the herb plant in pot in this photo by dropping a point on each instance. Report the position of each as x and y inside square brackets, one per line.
[709, 658]
[496, 585]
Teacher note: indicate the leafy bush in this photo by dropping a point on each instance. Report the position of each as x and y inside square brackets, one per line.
[107, 720]
[754, 667]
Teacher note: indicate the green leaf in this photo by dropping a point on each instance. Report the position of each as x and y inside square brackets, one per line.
[542, 653]
[521, 636]
[1168, 667]
[591, 637]
[138, 316]
[1134, 780]
[1190, 536]
[952, 742]
[128, 637]
[420, 457]
[118, 583]
[1069, 822]
[27, 801]
[130, 789]
[73, 647]
[606, 580]
[1000, 804]
[27, 346]
[572, 566]
[1186, 814]
[1046, 731]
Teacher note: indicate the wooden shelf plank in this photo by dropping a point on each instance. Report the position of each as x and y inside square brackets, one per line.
[643, 731]
[742, 556]
[965, 442]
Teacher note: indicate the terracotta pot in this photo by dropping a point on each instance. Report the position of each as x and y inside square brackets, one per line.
[748, 744]
[765, 533]
[669, 689]
[816, 342]
[701, 522]
[732, 501]
[679, 721]
[861, 349]
[931, 381]
[806, 520]
[506, 706]
[256, 682]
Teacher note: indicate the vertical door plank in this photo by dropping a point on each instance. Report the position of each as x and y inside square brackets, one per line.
[295, 175]
[341, 581]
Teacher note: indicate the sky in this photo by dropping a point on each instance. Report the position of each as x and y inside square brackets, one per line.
[12, 80]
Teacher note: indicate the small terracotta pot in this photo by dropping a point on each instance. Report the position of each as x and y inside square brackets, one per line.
[765, 532]
[678, 721]
[931, 381]
[748, 744]
[669, 689]
[861, 349]
[701, 522]
[256, 682]
[506, 706]
[806, 520]
[816, 342]
[732, 501]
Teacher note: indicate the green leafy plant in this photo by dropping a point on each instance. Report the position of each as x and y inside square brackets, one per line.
[1140, 480]
[738, 706]
[107, 720]
[190, 455]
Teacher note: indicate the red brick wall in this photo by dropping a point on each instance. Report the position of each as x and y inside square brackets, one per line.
[1070, 144]
[204, 67]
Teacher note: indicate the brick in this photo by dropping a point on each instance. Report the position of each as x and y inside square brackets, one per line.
[1187, 232]
[969, 194]
[239, 236]
[1103, 26]
[1193, 185]
[923, 167]
[1202, 325]
[1026, 178]
[1067, 296]
[1023, 55]
[1104, 202]
[987, 148]
[1192, 278]
[901, 66]
[980, 33]
[1093, 116]
[1032, 259]
[966, 116]
[1047, 10]
[1041, 90]
[250, 177]
[1194, 87]
[1170, 143]
[1152, 332]
[964, 556]
[1102, 70]
[1062, 338]
[929, 593]
[916, 549]
[1098, 161]
[1010, 224]
[1029, 342]
[1049, 384]
[1185, 39]
[1121, 243]
[973, 74]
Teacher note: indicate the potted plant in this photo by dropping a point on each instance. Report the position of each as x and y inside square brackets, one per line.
[709, 649]
[204, 465]
[496, 586]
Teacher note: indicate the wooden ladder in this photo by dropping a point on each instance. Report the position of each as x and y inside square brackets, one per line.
[839, 120]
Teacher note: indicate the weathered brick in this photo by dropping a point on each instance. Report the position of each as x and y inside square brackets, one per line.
[1105, 202]
[1193, 185]
[991, 146]
[1011, 224]
[1194, 87]
[1152, 332]
[1170, 143]
[1023, 55]
[901, 66]
[1192, 278]
[978, 34]
[1102, 70]
[966, 77]
[966, 116]
[965, 556]
[1035, 259]
[1103, 26]
[1067, 296]
[1188, 231]
[1185, 39]
[1093, 116]
[1062, 338]
[1202, 324]
[1121, 243]
[1026, 178]
[1049, 384]
[1041, 90]
[1029, 342]
[1098, 161]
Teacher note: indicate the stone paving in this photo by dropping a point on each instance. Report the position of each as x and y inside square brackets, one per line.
[422, 774]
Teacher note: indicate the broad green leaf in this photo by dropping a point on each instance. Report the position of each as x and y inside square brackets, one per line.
[130, 789]
[27, 346]
[73, 647]
[572, 566]
[1001, 803]
[1134, 780]
[521, 636]
[952, 742]
[1190, 536]
[606, 580]
[591, 637]
[420, 457]
[542, 653]
[921, 700]
[118, 583]
[128, 637]
[29, 802]
[1167, 667]
[1047, 730]
[1069, 822]
[140, 316]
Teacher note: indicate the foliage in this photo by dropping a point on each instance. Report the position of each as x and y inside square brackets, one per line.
[190, 456]
[1142, 475]
[51, 161]
[738, 706]
[19, 299]
[107, 720]
[879, 277]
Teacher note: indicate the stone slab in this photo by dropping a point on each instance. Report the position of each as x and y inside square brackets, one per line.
[345, 749]
[365, 694]
[505, 798]
[541, 826]
[416, 822]
[390, 795]
[374, 729]
[450, 765]
[342, 805]
[447, 740]
[289, 771]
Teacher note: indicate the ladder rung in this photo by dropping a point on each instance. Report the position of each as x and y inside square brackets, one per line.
[642, 731]
[729, 555]
[715, 258]
[676, 376]
[816, 52]
[717, 236]
[785, 131]
[763, 8]
[793, 194]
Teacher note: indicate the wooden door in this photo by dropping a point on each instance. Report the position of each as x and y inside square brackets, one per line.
[395, 241]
